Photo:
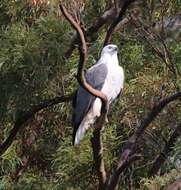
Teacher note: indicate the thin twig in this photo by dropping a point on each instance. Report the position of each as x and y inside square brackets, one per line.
[107, 16]
[147, 34]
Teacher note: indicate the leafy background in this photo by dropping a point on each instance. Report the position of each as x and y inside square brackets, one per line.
[33, 42]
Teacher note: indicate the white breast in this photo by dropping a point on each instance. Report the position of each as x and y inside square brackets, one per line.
[114, 82]
[111, 88]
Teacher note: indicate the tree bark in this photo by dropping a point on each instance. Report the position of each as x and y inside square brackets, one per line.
[130, 146]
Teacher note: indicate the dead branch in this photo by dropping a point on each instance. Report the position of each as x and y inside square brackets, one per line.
[165, 153]
[19, 123]
[130, 145]
[107, 16]
[97, 150]
[112, 27]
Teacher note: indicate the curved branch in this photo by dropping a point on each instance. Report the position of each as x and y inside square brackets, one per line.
[83, 58]
[96, 140]
[130, 145]
[117, 20]
[107, 16]
[28, 115]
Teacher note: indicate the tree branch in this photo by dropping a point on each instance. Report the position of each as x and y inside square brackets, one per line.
[130, 145]
[28, 115]
[107, 16]
[97, 147]
[114, 178]
[83, 58]
[165, 153]
[96, 140]
[116, 21]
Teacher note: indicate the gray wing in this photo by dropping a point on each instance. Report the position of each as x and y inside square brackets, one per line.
[83, 100]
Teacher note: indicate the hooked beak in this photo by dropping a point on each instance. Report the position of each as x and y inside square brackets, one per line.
[115, 49]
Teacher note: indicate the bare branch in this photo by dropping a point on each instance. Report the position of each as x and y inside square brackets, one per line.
[112, 27]
[114, 178]
[28, 115]
[96, 141]
[98, 157]
[83, 58]
[165, 153]
[107, 16]
[130, 145]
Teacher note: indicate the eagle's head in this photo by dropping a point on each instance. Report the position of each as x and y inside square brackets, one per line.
[110, 49]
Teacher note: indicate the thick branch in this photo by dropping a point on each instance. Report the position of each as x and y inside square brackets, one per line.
[96, 141]
[107, 16]
[97, 147]
[83, 58]
[133, 140]
[116, 21]
[28, 115]
[165, 153]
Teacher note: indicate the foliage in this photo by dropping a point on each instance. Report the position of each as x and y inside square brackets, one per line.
[158, 182]
[33, 42]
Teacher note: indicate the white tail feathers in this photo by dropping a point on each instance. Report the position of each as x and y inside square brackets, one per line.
[88, 121]
[79, 135]
[85, 124]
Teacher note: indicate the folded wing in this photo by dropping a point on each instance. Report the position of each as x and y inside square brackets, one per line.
[83, 100]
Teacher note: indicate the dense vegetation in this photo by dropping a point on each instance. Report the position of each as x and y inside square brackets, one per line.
[35, 66]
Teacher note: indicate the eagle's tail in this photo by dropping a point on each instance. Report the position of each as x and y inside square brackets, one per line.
[79, 131]
[88, 120]
[78, 135]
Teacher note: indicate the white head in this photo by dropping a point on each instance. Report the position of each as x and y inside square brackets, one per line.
[110, 49]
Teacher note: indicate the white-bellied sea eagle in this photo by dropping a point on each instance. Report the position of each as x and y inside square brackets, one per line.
[108, 77]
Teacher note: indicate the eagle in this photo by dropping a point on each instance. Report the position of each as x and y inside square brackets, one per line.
[108, 77]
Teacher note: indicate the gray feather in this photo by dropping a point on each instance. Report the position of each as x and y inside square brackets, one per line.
[83, 101]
